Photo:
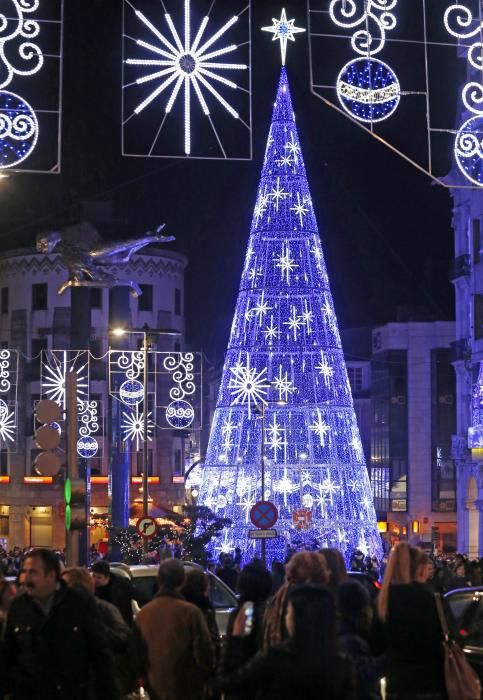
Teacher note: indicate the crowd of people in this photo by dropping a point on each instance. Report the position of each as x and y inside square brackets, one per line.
[303, 631]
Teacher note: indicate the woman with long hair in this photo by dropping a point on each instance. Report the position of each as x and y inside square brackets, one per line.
[303, 567]
[413, 630]
[307, 666]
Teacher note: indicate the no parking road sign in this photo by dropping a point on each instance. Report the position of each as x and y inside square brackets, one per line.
[264, 515]
[146, 527]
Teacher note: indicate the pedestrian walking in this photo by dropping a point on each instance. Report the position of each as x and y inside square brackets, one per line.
[303, 567]
[54, 645]
[412, 626]
[116, 589]
[354, 628]
[171, 648]
[307, 666]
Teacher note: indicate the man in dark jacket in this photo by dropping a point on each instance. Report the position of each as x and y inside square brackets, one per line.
[116, 589]
[54, 647]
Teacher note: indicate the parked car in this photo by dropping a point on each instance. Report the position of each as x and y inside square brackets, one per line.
[466, 606]
[144, 580]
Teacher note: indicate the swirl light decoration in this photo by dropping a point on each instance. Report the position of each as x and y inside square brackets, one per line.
[20, 56]
[8, 398]
[468, 147]
[285, 347]
[367, 88]
[87, 445]
[180, 412]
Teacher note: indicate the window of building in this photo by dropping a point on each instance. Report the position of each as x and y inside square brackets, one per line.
[3, 462]
[39, 296]
[177, 302]
[355, 378]
[4, 300]
[478, 316]
[476, 240]
[96, 298]
[145, 301]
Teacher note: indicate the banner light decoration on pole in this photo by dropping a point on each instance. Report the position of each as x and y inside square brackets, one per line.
[184, 66]
[180, 413]
[174, 402]
[367, 88]
[24, 54]
[468, 148]
[89, 420]
[8, 399]
[54, 367]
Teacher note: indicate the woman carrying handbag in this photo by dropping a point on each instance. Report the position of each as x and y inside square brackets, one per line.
[461, 681]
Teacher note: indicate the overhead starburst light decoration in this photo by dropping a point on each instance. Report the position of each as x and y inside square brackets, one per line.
[26, 40]
[283, 30]
[367, 88]
[185, 68]
[8, 398]
[55, 366]
[468, 146]
[133, 427]
[285, 375]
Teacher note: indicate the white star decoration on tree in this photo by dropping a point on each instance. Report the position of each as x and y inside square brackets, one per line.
[285, 262]
[320, 428]
[283, 30]
[275, 441]
[248, 386]
[300, 209]
[294, 322]
[283, 385]
[187, 64]
[284, 486]
[325, 369]
[293, 147]
[261, 308]
[278, 194]
[271, 331]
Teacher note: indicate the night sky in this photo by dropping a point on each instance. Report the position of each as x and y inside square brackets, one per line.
[385, 227]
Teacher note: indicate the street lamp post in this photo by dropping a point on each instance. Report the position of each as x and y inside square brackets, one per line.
[146, 332]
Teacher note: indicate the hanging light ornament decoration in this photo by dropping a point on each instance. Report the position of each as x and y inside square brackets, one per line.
[285, 348]
[468, 146]
[367, 88]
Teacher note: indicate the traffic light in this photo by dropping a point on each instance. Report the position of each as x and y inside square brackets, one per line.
[47, 438]
[75, 494]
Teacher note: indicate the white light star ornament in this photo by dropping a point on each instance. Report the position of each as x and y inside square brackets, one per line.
[283, 30]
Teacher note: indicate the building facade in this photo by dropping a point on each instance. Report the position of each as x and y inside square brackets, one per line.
[413, 401]
[34, 319]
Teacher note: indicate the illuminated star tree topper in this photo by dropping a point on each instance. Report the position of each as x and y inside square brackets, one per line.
[283, 30]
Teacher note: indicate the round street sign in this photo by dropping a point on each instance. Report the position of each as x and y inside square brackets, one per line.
[146, 527]
[264, 515]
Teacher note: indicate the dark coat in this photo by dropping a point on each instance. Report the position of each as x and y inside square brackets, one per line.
[414, 639]
[369, 669]
[277, 674]
[120, 592]
[60, 656]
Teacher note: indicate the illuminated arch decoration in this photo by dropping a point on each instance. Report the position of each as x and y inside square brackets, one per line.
[25, 59]
[187, 82]
[367, 88]
[468, 147]
[285, 348]
[8, 399]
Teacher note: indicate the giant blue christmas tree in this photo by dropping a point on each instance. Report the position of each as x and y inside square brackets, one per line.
[285, 361]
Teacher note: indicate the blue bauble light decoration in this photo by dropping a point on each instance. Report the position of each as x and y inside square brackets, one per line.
[87, 447]
[468, 149]
[285, 374]
[368, 89]
[180, 414]
[131, 392]
[19, 129]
